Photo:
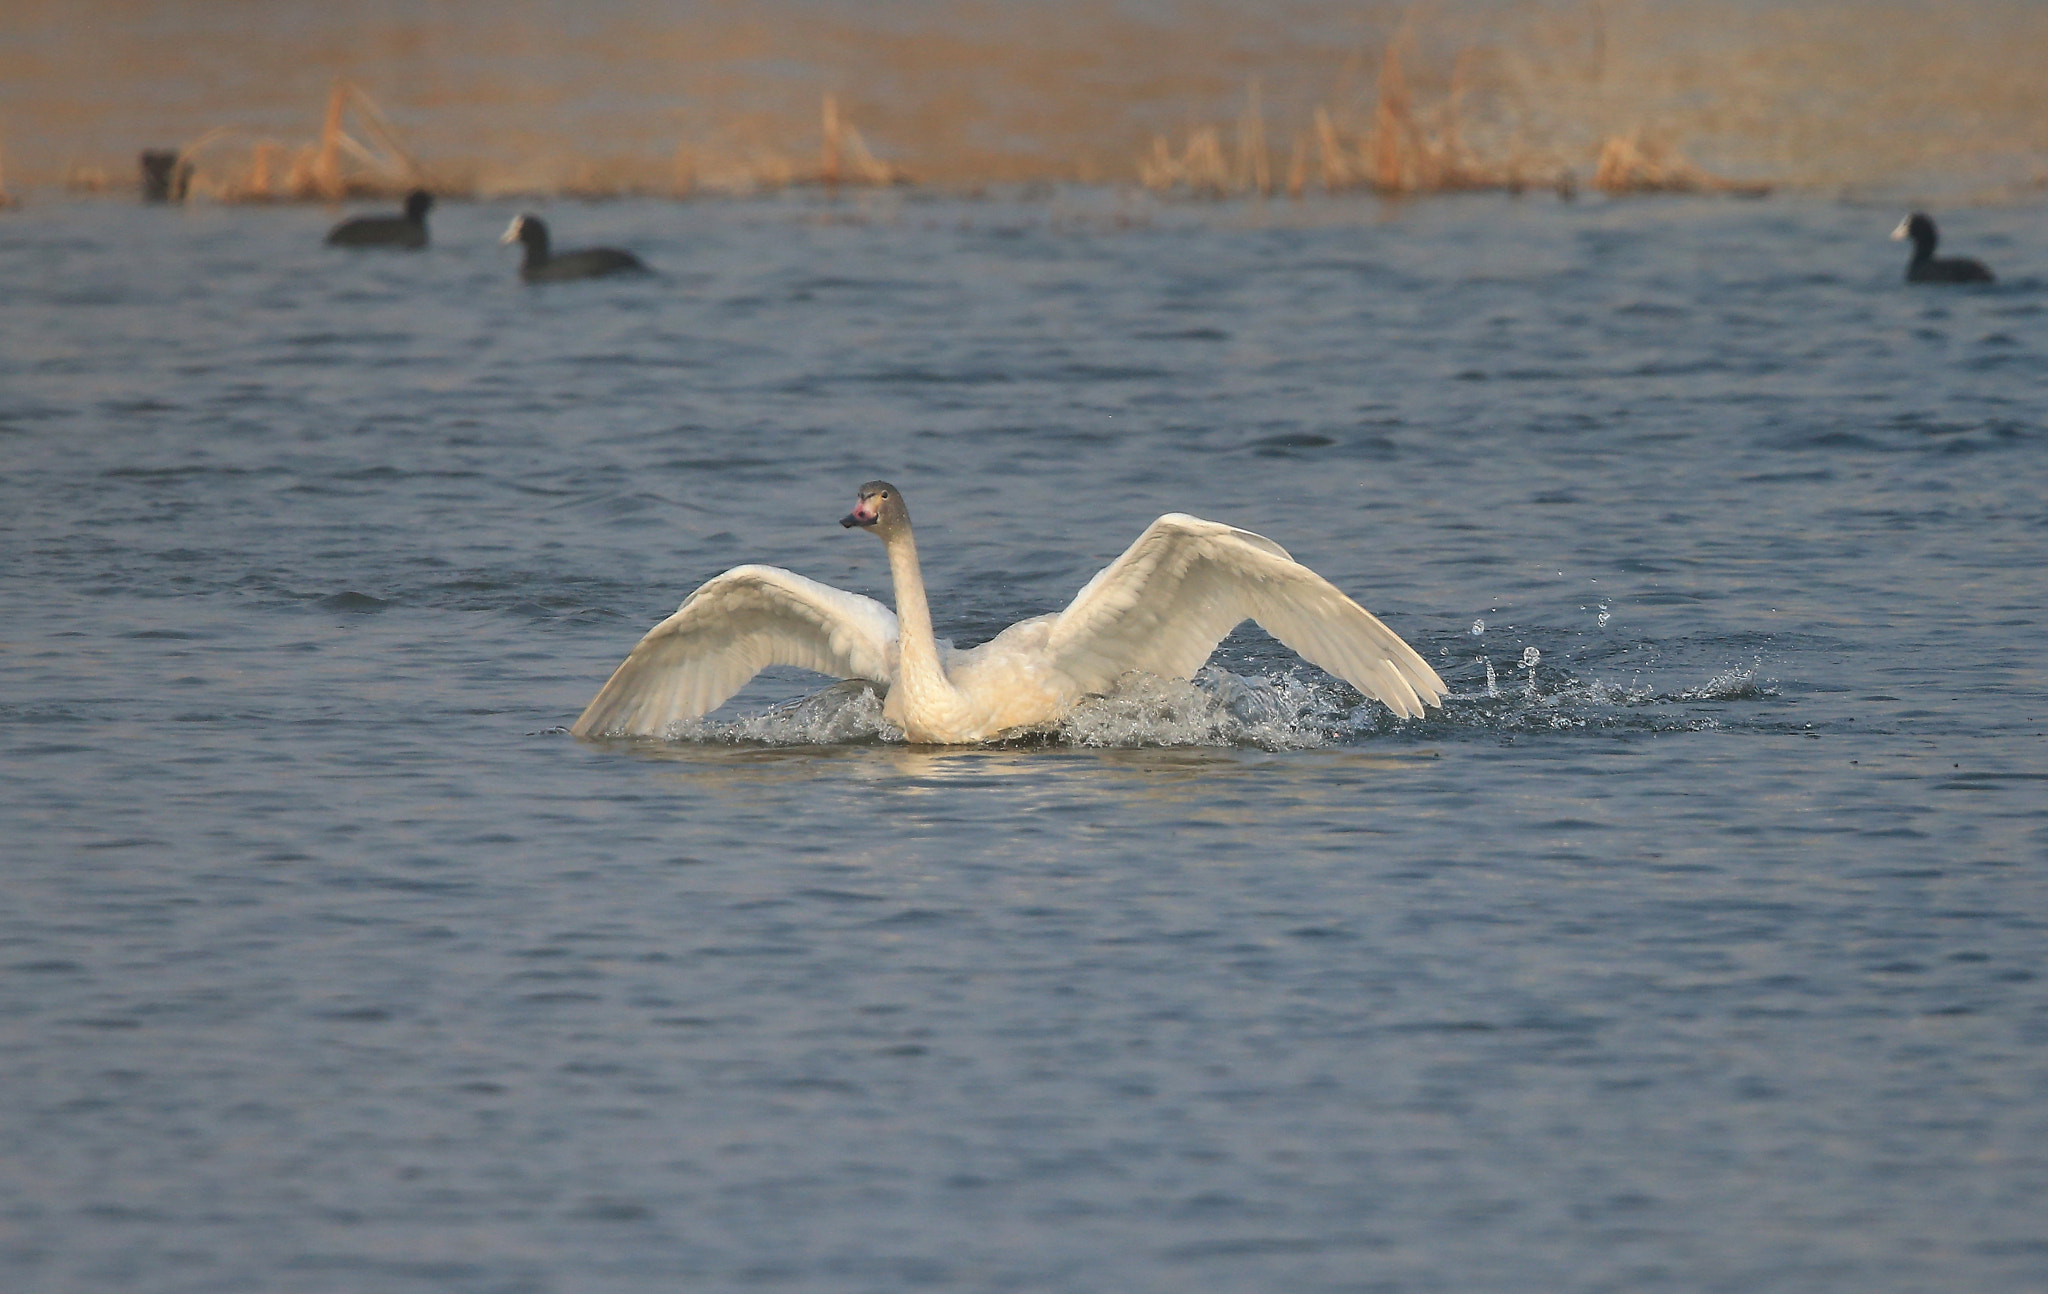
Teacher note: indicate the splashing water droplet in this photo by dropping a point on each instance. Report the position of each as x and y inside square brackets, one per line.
[1478, 628]
[1530, 656]
[1491, 688]
[1604, 616]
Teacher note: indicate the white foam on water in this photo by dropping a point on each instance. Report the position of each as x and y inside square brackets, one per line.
[1288, 711]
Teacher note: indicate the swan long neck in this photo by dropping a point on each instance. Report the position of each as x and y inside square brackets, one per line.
[921, 671]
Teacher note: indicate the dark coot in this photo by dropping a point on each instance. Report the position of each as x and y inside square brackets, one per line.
[406, 233]
[542, 266]
[1926, 267]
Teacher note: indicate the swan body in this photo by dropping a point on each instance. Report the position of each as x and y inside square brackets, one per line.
[1160, 608]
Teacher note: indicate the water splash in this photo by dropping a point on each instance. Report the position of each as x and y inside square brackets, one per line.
[1286, 711]
[845, 712]
[1218, 708]
[1552, 700]
[1731, 685]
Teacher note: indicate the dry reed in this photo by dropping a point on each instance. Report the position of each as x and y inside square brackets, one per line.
[1204, 168]
[725, 96]
[844, 157]
[1404, 150]
[844, 160]
[338, 164]
[1412, 134]
[358, 154]
[1632, 164]
[1408, 142]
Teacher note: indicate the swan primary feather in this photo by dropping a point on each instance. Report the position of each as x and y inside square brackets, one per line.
[1161, 608]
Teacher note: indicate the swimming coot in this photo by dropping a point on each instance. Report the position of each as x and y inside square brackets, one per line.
[540, 266]
[1926, 267]
[406, 233]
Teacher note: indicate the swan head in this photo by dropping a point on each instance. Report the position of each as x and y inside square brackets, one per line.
[880, 508]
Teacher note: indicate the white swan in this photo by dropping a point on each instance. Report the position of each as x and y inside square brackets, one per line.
[1161, 608]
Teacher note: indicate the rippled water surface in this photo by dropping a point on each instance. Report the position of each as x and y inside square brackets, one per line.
[1695, 945]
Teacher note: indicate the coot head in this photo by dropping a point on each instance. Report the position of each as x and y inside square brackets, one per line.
[417, 204]
[527, 229]
[1921, 230]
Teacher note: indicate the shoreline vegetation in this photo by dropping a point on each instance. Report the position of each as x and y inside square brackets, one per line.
[1617, 97]
[1401, 152]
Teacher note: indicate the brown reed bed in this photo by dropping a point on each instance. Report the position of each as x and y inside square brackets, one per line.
[1191, 97]
[1632, 164]
[358, 154]
[1405, 147]
[843, 159]
[725, 96]
[1399, 147]
[1205, 168]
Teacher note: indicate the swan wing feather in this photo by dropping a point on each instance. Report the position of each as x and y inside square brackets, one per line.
[731, 629]
[1178, 591]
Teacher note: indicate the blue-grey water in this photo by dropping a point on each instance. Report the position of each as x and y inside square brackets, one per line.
[1697, 945]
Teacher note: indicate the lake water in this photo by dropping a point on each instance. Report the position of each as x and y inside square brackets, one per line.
[1696, 945]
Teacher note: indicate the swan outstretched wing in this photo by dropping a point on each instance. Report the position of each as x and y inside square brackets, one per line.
[1186, 583]
[734, 627]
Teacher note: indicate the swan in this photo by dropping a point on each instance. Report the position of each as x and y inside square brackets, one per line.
[1161, 608]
